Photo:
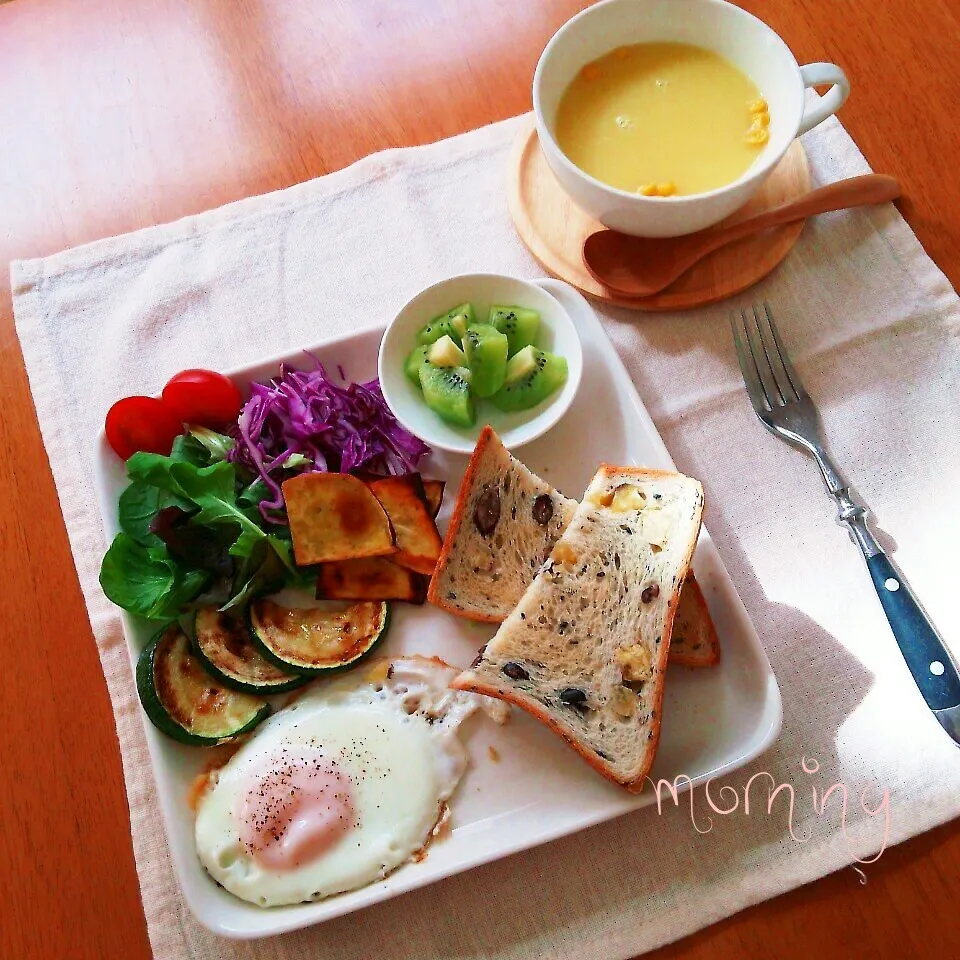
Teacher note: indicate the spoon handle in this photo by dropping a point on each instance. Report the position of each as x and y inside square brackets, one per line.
[854, 192]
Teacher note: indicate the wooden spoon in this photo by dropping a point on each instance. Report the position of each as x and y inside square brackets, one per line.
[641, 266]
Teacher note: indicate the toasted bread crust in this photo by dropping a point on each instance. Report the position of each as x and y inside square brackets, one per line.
[710, 657]
[647, 473]
[636, 785]
[487, 435]
[536, 709]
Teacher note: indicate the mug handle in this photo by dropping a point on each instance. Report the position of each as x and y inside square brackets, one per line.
[818, 73]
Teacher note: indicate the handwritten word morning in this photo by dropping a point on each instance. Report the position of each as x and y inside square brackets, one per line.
[728, 801]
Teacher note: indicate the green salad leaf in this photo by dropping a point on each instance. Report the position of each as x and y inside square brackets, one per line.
[217, 445]
[139, 503]
[252, 494]
[190, 449]
[214, 490]
[262, 572]
[146, 580]
[154, 469]
[151, 569]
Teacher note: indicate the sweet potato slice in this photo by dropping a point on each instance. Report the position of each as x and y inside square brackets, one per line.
[434, 491]
[334, 516]
[418, 540]
[370, 578]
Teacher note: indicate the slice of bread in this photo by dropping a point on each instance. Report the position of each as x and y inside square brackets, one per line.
[694, 642]
[505, 523]
[585, 650]
[477, 579]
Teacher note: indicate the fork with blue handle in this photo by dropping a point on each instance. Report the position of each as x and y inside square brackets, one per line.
[785, 409]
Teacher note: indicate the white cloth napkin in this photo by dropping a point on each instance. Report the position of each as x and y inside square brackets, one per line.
[875, 330]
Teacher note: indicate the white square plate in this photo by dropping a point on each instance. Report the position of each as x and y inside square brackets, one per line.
[715, 720]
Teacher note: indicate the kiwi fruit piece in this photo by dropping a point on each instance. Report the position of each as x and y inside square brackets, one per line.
[520, 324]
[446, 391]
[415, 360]
[485, 349]
[532, 375]
[461, 318]
[445, 353]
[451, 324]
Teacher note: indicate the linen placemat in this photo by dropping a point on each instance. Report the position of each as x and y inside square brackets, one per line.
[875, 330]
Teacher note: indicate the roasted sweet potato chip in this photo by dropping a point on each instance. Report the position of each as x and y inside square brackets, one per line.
[366, 476]
[334, 516]
[418, 540]
[370, 578]
[434, 491]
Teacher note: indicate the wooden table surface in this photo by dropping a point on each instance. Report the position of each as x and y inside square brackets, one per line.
[114, 116]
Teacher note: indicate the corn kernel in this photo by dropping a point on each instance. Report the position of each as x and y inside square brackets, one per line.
[647, 190]
[757, 136]
[758, 106]
[666, 189]
[761, 120]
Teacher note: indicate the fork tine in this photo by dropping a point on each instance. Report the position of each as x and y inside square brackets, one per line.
[789, 375]
[748, 368]
[782, 392]
[764, 371]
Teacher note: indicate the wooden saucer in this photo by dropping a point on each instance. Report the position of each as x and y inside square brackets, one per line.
[554, 228]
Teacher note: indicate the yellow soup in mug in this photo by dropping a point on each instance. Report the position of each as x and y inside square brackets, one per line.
[662, 119]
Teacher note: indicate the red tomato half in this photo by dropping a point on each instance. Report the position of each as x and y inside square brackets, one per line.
[141, 423]
[203, 397]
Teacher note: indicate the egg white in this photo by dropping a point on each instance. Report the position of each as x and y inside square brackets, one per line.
[393, 737]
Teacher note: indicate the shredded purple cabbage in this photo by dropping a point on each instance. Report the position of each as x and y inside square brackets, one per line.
[340, 429]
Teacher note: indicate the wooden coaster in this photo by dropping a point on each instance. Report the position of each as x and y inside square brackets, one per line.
[553, 227]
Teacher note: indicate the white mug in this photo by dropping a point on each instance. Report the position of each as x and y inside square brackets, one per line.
[748, 43]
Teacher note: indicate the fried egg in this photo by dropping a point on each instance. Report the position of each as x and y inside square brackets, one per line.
[340, 787]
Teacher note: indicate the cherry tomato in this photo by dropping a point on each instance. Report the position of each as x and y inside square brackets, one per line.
[141, 423]
[203, 397]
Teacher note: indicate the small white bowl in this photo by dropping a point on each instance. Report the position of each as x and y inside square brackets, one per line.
[557, 335]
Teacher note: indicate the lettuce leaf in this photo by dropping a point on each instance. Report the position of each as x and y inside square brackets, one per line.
[147, 581]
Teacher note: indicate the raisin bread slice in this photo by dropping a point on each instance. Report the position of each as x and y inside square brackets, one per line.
[505, 523]
[694, 642]
[585, 650]
[476, 579]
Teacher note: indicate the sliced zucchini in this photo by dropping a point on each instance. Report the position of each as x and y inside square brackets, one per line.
[183, 701]
[224, 647]
[315, 640]
[370, 578]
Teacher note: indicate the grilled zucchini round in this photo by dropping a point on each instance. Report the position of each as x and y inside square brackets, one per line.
[316, 640]
[185, 702]
[222, 642]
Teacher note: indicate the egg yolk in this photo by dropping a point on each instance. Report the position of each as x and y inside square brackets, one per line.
[294, 808]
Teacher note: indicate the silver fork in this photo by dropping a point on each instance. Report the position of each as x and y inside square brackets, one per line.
[785, 409]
